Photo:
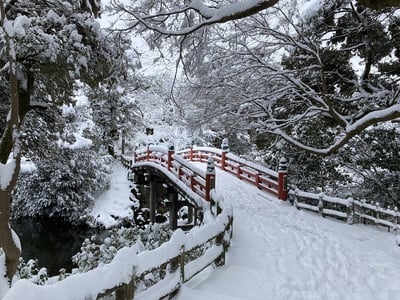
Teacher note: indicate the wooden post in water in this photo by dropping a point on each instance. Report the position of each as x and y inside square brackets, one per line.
[152, 199]
[173, 212]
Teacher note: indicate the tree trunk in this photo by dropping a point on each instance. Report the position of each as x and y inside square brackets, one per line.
[10, 247]
[10, 142]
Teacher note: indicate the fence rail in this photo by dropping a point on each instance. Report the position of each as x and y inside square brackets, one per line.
[349, 210]
[161, 271]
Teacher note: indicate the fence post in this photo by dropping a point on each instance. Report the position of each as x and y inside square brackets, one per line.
[321, 205]
[210, 177]
[126, 291]
[350, 211]
[377, 214]
[395, 221]
[282, 179]
[296, 201]
[219, 241]
[362, 210]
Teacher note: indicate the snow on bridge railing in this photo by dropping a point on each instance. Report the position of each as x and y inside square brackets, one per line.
[197, 180]
[152, 274]
[263, 178]
[349, 210]
[273, 182]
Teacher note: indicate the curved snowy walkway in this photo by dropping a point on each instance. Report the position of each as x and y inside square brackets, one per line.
[278, 252]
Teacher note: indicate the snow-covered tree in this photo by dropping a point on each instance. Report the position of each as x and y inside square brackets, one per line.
[306, 90]
[45, 47]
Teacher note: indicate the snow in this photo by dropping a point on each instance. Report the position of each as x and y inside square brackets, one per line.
[3, 281]
[278, 252]
[114, 204]
[6, 173]
[80, 286]
[309, 8]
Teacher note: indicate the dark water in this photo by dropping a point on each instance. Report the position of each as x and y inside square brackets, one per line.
[52, 242]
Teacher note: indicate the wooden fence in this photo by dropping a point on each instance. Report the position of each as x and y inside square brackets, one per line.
[160, 272]
[349, 210]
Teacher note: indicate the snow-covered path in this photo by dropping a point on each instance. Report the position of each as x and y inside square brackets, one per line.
[279, 252]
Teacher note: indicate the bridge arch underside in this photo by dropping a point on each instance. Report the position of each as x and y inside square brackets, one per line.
[161, 196]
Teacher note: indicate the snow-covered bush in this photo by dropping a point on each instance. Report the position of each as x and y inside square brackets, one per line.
[63, 187]
[30, 270]
[94, 252]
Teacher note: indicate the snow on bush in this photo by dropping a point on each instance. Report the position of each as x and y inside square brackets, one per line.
[94, 253]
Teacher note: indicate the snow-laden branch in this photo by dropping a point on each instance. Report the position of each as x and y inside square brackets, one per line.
[372, 118]
[161, 22]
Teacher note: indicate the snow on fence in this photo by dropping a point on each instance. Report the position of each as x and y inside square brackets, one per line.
[349, 210]
[150, 274]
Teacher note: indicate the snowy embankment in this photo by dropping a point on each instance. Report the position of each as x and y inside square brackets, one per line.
[278, 252]
[114, 204]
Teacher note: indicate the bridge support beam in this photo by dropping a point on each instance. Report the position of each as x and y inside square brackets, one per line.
[152, 199]
[173, 208]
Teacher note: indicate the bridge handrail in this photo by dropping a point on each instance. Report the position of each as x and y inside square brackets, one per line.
[349, 210]
[127, 268]
[264, 178]
[199, 181]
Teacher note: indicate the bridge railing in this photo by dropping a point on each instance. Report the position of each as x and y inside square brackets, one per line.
[263, 178]
[199, 181]
[349, 210]
[273, 182]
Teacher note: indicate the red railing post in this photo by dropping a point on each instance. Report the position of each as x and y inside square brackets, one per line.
[148, 153]
[223, 158]
[170, 153]
[225, 148]
[210, 177]
[191, 153]
[282, 179]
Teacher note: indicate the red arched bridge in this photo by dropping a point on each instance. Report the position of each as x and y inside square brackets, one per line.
[160, 272]
[200, 182]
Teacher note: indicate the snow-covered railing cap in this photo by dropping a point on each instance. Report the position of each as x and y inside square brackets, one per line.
[210, 166]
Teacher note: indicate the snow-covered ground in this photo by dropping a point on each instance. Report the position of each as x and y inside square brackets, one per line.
[114, 204]
[278, 252]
